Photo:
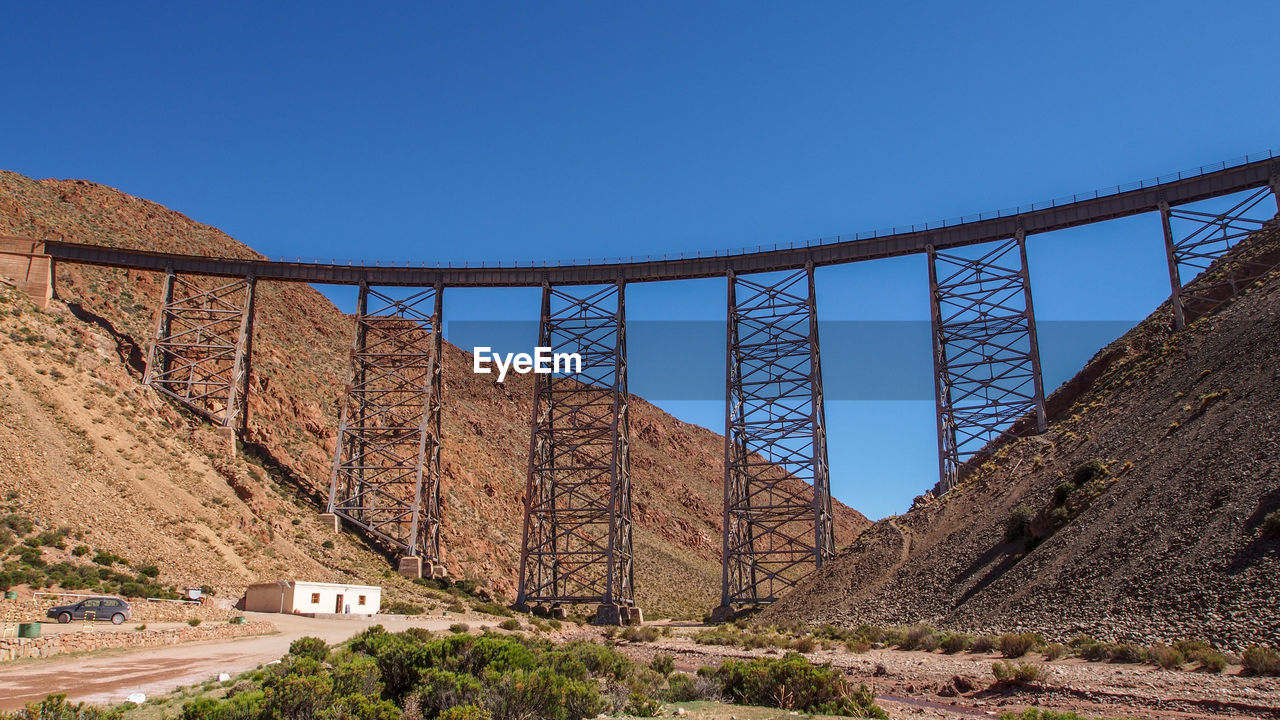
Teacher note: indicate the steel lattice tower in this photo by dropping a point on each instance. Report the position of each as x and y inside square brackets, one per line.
[1193, 240]
[577, 528]
[777, 496]
[386, 467]
[201, 353]
[985, 350]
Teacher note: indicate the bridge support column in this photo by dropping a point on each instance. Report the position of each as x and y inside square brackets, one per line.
[386, 466]
[577, 523]
[985, 351]
[777, 495]
[1194, 240]
[200, 357]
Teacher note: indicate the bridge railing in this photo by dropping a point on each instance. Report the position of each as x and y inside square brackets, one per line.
[815, 242]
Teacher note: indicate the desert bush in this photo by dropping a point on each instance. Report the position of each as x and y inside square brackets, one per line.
[400, 607]
[1019, 523]
[792, 683]
[1129, 654]
[465, 712]
[510, 624]
[1089, 470]
[459, 628]
[1062, 492]
[641, 705]
[1259, 660]
[1166, 657]
[956, 642]
[984, 644]
[490, 608]
[359, 675]
[56, 707]
[640, 633]
[1058, 517]
[917, 638]
[311, 647]
[1015, 645]
[193, 621]
[1053, 651]
[1017, 674]
[663, 664]
[1095, 651]
[1271, 524]
[804, 644]
[1213, 661]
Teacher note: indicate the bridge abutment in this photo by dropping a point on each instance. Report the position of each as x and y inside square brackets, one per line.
[25, 263]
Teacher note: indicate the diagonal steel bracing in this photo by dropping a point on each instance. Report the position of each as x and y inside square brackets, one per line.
[1194, 240]
[985, 350]
[777, 499]
[201, 351]
[386, 467]
[577, 527]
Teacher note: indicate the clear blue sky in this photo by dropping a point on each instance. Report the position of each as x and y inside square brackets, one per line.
[455, 131]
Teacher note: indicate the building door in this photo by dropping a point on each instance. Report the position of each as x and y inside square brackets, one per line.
[338, 609]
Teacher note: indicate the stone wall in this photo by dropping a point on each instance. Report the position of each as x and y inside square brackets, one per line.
[50, 645]
[23, 261]
[26, 610]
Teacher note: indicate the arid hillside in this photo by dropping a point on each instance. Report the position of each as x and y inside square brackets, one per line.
[1138, 516]
[300, 349]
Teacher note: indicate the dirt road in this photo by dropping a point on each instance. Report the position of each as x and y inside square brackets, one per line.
[109, 676]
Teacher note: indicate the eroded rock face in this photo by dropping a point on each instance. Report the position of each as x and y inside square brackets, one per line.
[299, 365]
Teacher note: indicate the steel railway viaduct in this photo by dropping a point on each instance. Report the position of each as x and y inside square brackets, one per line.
[577, 525]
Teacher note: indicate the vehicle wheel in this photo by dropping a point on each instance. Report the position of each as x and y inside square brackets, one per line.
[64, 618]
[117, 619]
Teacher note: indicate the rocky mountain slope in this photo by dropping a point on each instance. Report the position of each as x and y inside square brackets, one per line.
[299, 364]
[1138, 516]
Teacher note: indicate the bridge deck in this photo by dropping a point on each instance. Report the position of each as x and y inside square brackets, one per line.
[1222, 179]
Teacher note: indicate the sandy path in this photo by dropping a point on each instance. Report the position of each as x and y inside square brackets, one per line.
[109, 676]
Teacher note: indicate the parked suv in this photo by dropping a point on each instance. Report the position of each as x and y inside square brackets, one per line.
[96, 608]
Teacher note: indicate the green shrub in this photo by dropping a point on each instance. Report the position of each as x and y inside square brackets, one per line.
[490, 608]
[1271, 524]
[193, 621]
[1129, 654]
[804, 644]
[399, 607]
[681, 688]
[984, 644]
[918, 637]
[510, 624]
[1019, 523]
[459, 628]
[358, 675]
[465, 712]
[792, 683]
[1089, 470]
[1095, 651]
[1062, 492]
[663, 664]
[438, 690]
[641, 705]
[1053, 651]
[1015, 645]
[956, 642]
[1213, 661]
[149, 571]
[1058, 517]
[1009, 673]
[1166, 657]
[327, 544]
[309, 647]
[80, 550]
[1259, 660]
[640, 633]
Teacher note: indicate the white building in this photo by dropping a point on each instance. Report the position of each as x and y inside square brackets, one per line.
[313, 598]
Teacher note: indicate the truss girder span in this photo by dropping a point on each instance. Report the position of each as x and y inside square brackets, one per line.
[986, 353]
[386, 468]
[1195, 240]
[200, 356]
[777, 500]
[577, 528]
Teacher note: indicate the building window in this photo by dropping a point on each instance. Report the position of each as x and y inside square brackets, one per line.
[360, 600]
[315, 598]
